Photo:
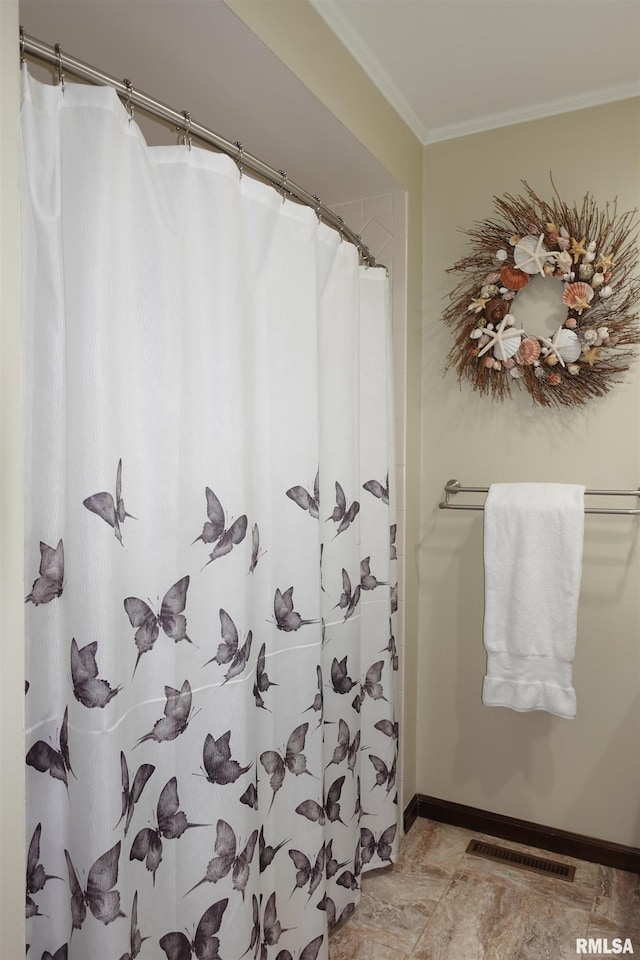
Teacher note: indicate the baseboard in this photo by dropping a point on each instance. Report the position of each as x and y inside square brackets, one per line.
[522, 831]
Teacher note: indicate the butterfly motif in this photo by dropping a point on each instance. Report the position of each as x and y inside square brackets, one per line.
[286, 617]
[310, 952]
[131, 796]
[262, 682]
[305, 500]
[393, 553]
[250, 795]
[359, 812]
[205, 944]
[36, 876]
[214, 529]
[293, 760]
[331, 810]
[87, 689]
[306, 872]
[48, 585]
[331, 864]
[348, 600]
[170, 618]
[341, 514]
[393, 596]
[100, 897]
[329, 907]
[44, 758]
[135, 940]
[378, 489]
[384, 774]
[256, 553]
[254, 943]
[348, 880]
[367, 580]
[318, 700]
[218, 765]
[272, 929]
[266, 852]
[228, 651]
[113, 511]
[388, 727]
[391, 647]
[369, 846]
[225, 860]
[176, 715]
[172, 823]
[60, 954]
[370, 686]
[346, 749]
[340, 682]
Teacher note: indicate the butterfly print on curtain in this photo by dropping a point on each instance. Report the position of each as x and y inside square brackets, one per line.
[87, 689]
[104, 505]
[218, 765]
[135, 939]
[44, 758]
[172, 823]
[205, 944]
[100, 897]
[228, 651]
[170, 618]
[293, 760]
[131, 796]
[343, 515]
[177, 713]
[225, 859]
[304, 499]
[36, 874]
[214, 529]
[48, 585]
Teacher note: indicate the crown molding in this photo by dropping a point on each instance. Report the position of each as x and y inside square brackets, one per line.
[536, 111]
[349, 37]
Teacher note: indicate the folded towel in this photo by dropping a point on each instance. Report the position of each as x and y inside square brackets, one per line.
[533, 540]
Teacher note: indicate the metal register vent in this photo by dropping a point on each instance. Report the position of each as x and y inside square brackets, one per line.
[524, 861]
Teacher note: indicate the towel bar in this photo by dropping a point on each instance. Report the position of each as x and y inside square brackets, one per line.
[454, 486]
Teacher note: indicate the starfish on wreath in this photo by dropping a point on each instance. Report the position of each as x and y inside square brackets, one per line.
[501, 333]
[526, 255]
[551, 343]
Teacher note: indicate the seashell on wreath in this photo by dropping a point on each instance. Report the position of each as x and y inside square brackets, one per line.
[578, 296]
[533, 240]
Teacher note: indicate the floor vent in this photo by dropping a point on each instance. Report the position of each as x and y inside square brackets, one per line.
[552, 868]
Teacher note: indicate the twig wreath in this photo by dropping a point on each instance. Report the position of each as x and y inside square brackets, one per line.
[594, 253]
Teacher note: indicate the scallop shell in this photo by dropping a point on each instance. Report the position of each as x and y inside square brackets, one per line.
[578, 296]
[523, 250]
[528, 351]
[513, 278]
[568, 345]
[508, 345]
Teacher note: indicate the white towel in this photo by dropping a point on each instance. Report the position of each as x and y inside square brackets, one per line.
[533, 542]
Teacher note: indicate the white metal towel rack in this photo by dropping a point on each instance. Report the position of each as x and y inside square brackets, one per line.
[454, 486]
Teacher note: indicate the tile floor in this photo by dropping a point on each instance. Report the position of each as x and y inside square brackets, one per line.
[437, 903]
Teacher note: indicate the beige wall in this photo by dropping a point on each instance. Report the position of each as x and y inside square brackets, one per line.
[12, 849]
[302, 40]
[581, 775]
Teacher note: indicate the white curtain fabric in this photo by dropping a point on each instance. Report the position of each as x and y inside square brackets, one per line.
[211, 730]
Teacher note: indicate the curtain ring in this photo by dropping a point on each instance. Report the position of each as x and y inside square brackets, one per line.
[239, 158]
[22, 57]
[186, 138]
[60, 70]
[283, 188]
[128, 105]
[341, 228]
[317, 207]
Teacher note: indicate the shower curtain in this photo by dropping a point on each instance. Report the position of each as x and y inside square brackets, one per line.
[209, 539]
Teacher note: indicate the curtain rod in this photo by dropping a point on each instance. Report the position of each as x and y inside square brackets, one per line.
[182, 120]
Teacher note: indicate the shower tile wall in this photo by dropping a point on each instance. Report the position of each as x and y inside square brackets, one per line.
[382, 224]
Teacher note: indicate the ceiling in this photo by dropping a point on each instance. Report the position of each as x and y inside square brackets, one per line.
[454, 67]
